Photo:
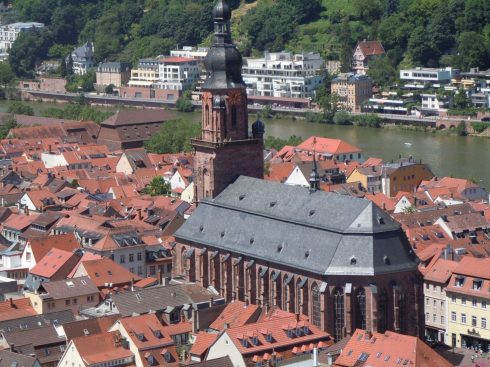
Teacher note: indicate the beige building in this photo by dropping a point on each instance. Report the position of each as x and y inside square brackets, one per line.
[435, 281]
[72, 294]
[115, 73]
[353, 90]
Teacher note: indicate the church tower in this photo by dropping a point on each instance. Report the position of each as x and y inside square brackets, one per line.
[225, 150]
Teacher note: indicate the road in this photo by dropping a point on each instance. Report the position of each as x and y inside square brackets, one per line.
[147, 102]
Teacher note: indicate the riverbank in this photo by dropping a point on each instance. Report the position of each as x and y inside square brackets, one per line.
[446, 153]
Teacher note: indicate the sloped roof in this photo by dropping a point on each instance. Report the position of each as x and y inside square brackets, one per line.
[371, 48]
[321, 232]
[327, 145]
[146, 331]
[53, 262]
[100, 348]
[158, 298]
[235, 314]
[97, 325]
[103, 271]
[8, 358]
[16, 308]
[75, 287]
[41, 246]
[135, 117]
[202, 343]
[381, 350]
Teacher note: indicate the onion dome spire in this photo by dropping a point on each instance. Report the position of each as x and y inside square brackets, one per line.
[314, 176]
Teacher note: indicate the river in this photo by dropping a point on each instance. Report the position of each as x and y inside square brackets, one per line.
[465, 157]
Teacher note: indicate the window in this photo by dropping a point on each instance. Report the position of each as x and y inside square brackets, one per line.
[427, 301]
[463, 318]
[459, 281]
[474, 321]
[483, 323]
[477, 283]
[361, 309]
[338, 313]
[463, 300]
[139, 256]
[442, 320]
[453, 316]
[434, 318]
[435, 303]
[74, 301]
[483, 304]
[67, 302]
[453, 298]
[131, 258]
[122, 259]
[426, 316]
[315, 306]
[474, 302]
[152, 270]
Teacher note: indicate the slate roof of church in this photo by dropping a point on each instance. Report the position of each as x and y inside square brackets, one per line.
[325, 233]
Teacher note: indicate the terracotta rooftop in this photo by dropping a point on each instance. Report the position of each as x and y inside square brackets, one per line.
[16, 308]
[236, 314]
[388, 350]
[41, 246]
[53, 262]
[66, 288]
[327, 146]
[105, 271]
[441, 270]
[371, 48]
[202, 343]
[97, 325]
[101, 348]
[146, 331]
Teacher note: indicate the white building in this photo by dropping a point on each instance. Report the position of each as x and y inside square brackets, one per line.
[198, 53]
[10, 32]
[284, 75]
[432, 102]
[433, 76]
[83, 58]
[177, 73]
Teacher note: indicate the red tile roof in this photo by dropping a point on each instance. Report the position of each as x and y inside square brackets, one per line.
[381, 200]
[278, 329]
[105, 271]
[41, 246]
[236, 314]
[53, 262]
[202, 343]
[388, 350]
[16, 308]
[146, 331]
[327, 146]
[279, 171]
[100, 348]
[371, 48]
[177, 59]
[440, 271]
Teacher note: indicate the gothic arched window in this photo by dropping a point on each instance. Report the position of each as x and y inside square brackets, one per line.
[382, 312]
[361, 309]
[234, 117]
[316, 316]
[338, 313]
[207, 118]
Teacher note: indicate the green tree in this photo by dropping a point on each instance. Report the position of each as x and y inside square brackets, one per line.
[461, 100]
[157, 187]
[342, 118]
[69, 65]
[9, 124]
[19, 108]
[6, 74]
[473, 51]
[272, 142]
[382, 71]
[173, 137]
[28, 50]
[109, 89]
[184, 103]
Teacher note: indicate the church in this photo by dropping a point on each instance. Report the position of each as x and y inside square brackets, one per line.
[339, 260]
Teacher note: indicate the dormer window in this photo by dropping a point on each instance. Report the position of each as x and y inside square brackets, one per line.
[268, 337]
[459, 281]
[244, 342]
[477, 284]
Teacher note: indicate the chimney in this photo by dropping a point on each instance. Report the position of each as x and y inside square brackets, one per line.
[159, 275]
[384, 206]
[140, 216]
[12, 347]
[211, 302]
[11, 301]
[297, 316]
[315, 357]
[49, 149]
[226, 326]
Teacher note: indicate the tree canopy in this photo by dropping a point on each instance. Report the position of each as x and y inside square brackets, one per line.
[173, 137]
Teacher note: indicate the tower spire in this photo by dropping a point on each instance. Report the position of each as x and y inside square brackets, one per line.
[222, 17]
[314, 176]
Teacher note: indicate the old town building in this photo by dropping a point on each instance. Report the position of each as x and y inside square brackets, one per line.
[225, 150]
